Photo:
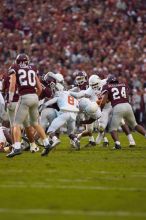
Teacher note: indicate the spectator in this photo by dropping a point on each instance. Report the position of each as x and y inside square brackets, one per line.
[71, 34]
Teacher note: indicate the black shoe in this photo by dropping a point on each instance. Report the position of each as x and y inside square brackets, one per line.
[106, 144]
[117, 147]
[14, 152]
[46, 150]
[132, 145]
[92, 143]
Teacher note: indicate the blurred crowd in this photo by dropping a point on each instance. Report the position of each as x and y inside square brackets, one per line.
[97, 36]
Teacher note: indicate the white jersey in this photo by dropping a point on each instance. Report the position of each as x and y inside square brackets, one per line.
[75, 89]
[90, 93]
[65, 102]
[2, 102]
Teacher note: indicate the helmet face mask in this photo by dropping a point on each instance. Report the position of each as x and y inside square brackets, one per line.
[52, 81]
[80, 77]
[94, 82]
[80, 80]
[95, 86]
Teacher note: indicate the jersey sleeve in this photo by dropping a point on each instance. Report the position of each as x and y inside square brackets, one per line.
[78, 95]
[12, 69]
[104, 89]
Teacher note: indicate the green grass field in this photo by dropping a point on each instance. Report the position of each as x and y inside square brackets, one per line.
[93, 183]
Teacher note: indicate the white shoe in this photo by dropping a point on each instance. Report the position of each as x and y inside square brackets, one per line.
[55, 142]
[99, 138]
[34, 149]
[75, 144]
[132, 144]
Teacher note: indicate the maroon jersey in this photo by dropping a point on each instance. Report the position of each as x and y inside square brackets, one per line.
[46, 93]
[117, 93]
[25, 78]
[6, 84]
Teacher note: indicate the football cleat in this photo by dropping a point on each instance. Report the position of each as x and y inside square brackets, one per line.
[34, 149]
[55, 142]
[75, 144]
[92, 143]
[46, 150]
[25, 145]
[117, 147]
[105, 144]
[132, 144]
[14, 152]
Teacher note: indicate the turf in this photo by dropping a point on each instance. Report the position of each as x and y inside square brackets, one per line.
[93, 183]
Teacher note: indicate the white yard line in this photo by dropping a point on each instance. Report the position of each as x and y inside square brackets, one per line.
[66, 187]
[133, 174]
[72, 212]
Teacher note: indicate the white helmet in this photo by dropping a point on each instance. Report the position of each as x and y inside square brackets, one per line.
[83, 102]
[87, 105]
[59, 78]
[94, 81]
[48, 74]
[92, 108]
[60, 85]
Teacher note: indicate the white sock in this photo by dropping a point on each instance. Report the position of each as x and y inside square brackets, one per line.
[33, 144]
[91, 139]
[117, 142]
[45, 141]
[130, 138]
[105, 139]
[54, 138]
[17, 145]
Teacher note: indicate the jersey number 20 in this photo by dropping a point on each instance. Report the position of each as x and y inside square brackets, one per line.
[27, 78]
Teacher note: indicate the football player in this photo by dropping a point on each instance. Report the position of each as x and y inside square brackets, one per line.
[29, 87]
[68, 106]
[93, 92]
[92, 112]
[117, 93]
[11, 113]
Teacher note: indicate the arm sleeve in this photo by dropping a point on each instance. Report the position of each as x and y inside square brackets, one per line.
[51, 102]
[78, 95]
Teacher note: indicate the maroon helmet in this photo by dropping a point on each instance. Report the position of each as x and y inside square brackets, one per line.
[50, 82]
[22, 58]
[112, 79]
[81, 79]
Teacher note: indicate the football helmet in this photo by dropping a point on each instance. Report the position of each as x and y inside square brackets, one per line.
[22, 58]
[81, 79]
[83, 103]
[89, 107]
[112, 79]
[92, 108]
[59, 78]
[54, 82]
[94, 82]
